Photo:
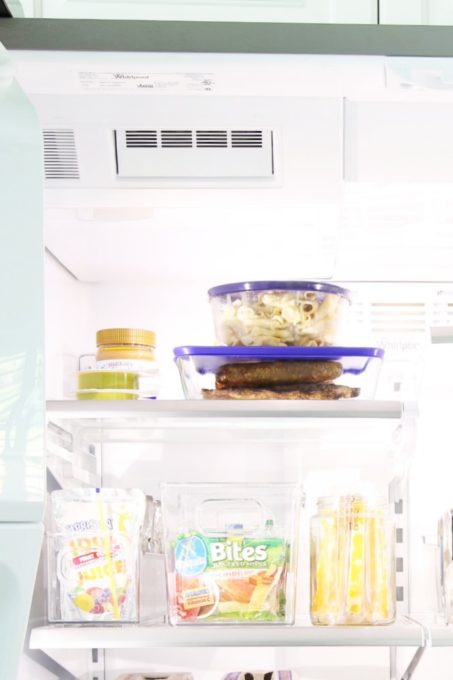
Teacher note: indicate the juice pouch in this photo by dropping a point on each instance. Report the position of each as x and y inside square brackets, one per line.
[235, 562]
[94, 554]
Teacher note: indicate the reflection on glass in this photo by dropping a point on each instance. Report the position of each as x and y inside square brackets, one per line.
[21, 427]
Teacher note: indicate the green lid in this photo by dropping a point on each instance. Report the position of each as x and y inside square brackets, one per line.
[101, 380]
[105, 395]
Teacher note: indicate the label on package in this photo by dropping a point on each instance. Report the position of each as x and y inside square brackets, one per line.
[231, 577]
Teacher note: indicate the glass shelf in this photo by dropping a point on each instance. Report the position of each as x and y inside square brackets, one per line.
[108, 410]
[403, 633]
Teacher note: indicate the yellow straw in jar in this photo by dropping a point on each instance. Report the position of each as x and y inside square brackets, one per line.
[108, 557]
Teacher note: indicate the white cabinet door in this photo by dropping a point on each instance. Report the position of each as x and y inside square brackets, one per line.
[424, 12]
[303, 11]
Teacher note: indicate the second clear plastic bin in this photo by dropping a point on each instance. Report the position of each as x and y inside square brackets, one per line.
[231, 552]
[352, 562]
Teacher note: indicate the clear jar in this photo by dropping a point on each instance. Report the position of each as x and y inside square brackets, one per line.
[128, 349]
[352, 562]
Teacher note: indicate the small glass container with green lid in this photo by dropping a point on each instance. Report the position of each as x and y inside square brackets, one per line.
[107, 385]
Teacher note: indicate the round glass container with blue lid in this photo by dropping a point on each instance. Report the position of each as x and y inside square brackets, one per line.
[278, 313]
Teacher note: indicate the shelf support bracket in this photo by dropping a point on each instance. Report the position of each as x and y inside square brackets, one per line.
[411, 668]
[96, 664]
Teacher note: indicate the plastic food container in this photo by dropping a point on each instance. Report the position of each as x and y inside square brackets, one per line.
[130, 350]
[127, 349]
[278, 313]
[94, 555]
[352, 563]
[231, 552]
[107, 385]
[278, 372]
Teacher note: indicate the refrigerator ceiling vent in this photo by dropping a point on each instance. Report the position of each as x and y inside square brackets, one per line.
[194, 153]
[60, 155]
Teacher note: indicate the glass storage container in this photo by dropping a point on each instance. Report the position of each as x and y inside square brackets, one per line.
[231, 552]
[123, 350]
[298, 373]
[126, 349]
[278, 313]
[352, 562]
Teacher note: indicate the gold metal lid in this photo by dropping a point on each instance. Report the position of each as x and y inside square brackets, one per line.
[125, 336]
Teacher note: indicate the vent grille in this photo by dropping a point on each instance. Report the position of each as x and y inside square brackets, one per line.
[188, 139]
[177, 139]
[212, 139]
[247, 139]
[201, 152]
[60, 155]
[141, 139]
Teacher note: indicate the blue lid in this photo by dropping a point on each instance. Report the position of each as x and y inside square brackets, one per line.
[209, 359]
[316, 286]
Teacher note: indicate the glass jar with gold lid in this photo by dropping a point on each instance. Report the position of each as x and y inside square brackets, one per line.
[128, 349]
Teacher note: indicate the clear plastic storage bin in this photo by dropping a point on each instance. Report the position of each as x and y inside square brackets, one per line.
[279, 372]
[231, 552]
[94, 555]
[278, 313]
[352, 563]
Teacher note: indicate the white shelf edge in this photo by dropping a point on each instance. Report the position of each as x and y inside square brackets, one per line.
[403, 633]
[441, 635]
[73, 409]
[441, 335]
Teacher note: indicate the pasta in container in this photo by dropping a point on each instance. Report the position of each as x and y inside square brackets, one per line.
[278, 313]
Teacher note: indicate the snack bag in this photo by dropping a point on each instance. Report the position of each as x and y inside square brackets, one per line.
[241, 579]
[232, 572]
[96, 549]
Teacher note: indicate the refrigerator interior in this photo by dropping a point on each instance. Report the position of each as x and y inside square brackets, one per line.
[354, 185]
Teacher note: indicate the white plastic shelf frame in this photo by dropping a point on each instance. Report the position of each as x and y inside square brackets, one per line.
[403, 633]
[367, 442]
[141, 443]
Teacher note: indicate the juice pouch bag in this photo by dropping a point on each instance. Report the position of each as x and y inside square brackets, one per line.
[94, 555]
[231, 552]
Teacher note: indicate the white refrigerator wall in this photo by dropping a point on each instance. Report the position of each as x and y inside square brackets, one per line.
[145, 255]
[75, 310]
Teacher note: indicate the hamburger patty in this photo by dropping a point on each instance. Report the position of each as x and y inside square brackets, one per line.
[320, 391]
[276, 373]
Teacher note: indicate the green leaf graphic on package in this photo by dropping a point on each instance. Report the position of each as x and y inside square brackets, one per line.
[220, 578]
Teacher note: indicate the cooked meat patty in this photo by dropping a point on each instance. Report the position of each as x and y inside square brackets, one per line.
[323, 391]
[270, 373]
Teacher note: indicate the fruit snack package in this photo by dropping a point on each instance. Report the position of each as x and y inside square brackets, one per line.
[231, 552]
[94, 555]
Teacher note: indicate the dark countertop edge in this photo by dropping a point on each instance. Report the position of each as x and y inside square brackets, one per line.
[223, 37]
